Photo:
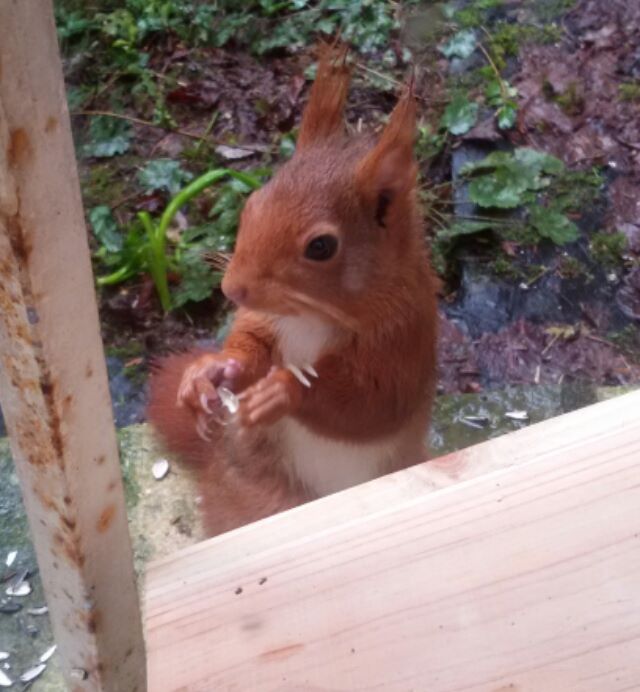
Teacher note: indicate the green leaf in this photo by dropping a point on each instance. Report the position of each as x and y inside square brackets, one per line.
[197, 279]
[461, 45]
[507, 180]
[163, 174]
[493, 92]
[460, 115]
[107, 137]
[553, 225]
[507, 115]
[287, 145]
[105, 228]
[539, 161]
[499, 190]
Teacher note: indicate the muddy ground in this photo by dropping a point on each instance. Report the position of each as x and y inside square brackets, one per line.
[495, 331]
[578, 99]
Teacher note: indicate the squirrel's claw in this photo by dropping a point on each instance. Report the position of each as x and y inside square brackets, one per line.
[299, 375]
[310, 370]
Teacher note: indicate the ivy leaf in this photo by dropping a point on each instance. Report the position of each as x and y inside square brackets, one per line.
[163, 174]
[105, 228]
[461, 45]
[107, 137]
[460, 115]
[507, 115]
[553, 225]
[197, 279]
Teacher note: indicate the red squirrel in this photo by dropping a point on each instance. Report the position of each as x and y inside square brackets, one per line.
[333, 347]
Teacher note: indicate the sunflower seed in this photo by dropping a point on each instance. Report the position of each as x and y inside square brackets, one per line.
[517, 415]
[229, 400]
[4, 655]
[5, 681]
[42, 610]
[160, 469]
[21, 589]
[11, 558]
[48, 654]
[475, 421]
[32, 673]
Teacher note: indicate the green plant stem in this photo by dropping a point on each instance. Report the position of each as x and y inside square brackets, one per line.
[494, 67]
[157, 260]
[158, 235]
[116, 277]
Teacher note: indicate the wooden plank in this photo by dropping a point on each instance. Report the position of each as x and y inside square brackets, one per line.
[520, 579]
[53, 381]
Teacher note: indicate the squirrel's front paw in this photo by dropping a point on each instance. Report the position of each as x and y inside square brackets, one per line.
[198, 387]
[273, 397]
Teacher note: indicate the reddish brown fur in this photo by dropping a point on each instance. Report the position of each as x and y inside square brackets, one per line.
[378, 292]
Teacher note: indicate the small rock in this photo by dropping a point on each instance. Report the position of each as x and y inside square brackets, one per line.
[79, 674]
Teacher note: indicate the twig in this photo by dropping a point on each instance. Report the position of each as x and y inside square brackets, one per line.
[503, 89]
[536, 277]
[125, 199]
[207, 132]
[139, 121]
[631, 145]
[396, 82]
[170, 130]
[554, 338]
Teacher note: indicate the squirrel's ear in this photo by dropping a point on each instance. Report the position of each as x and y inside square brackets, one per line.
[389, 169]
[323, 115]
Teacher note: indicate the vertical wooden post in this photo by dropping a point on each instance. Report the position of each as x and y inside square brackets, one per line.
[53, 382]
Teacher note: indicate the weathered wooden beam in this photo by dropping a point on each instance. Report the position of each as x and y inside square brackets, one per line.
[53, 382]
[513, 565]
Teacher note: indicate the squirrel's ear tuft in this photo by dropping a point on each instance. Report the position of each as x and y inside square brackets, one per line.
[324, 113]
[389, 169]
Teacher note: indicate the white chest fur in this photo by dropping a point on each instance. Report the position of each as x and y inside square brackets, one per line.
[301, 340]
[321, 464]
[325, 466]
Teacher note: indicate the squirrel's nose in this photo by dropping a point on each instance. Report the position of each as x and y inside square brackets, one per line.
[236, 294]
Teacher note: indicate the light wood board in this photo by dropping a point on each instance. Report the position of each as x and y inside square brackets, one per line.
[53, 380]
[525, 578]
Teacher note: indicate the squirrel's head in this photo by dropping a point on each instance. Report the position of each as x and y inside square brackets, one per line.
[335, 220]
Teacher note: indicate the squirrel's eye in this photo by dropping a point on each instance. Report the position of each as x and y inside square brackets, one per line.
[321, 248]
